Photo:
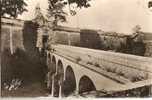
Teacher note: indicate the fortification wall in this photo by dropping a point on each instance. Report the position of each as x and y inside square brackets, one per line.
[11, 34]
[67, 38]
[20, 57]
[148, 42]
[18, 34]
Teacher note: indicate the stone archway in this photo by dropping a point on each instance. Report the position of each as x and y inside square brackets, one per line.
[86, 85]
[58, 79]
[69, 85]
[51, 72]
[53, 65]
[49, 60]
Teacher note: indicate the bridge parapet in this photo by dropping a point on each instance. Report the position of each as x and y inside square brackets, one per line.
[104, 71]
[130, 67]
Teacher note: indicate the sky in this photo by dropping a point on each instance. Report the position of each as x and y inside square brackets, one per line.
[107, 15]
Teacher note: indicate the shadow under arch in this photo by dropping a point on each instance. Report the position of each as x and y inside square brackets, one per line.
[49, 60]
[51, 71]
[58, 80]
[60, 70]
[86, 85]
[53, 64]
[49, 55]
[70, 82]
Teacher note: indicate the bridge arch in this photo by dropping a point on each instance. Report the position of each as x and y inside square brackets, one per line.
[53, 64]
[58, 80]
[69, 82]
[60, 68]
[53, 58]
[48, 58]
[86, 84]
[49, 55]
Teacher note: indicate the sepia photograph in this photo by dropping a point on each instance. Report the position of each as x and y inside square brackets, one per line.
[55, 49]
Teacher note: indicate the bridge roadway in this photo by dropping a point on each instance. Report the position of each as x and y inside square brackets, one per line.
[82, 69]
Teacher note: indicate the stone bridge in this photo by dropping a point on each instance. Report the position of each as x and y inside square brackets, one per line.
[80, 70]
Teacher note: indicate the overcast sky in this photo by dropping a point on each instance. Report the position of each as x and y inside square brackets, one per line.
[108, 15]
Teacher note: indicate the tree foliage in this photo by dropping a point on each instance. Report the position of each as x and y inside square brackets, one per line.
[56, 11]
[56, 8]
[12, 7]
[150, 4]
[80, 3]
[136, 29]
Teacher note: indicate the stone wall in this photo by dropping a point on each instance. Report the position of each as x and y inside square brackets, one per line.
[148, 52]
[18, 34]
[112, 41]
[102, 40]
[148, 42]
[118, 42]
[12, 35]
[67, 38]
[59, 35]
[90, 39]
[20, 57]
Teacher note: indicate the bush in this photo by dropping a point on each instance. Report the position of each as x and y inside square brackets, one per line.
[19, 65]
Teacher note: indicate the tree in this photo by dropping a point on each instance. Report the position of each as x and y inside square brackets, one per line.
[136, 29]
[56, 11]
[12, 7]
[56, 8]
[80, 3]
[150, 4]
